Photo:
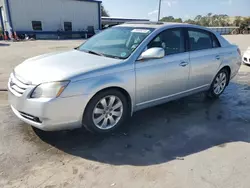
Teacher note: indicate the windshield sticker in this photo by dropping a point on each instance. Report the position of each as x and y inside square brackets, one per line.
[123, 54]
[134, 46]
[140, 31]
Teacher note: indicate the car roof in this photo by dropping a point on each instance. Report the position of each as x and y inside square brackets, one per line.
[159, 25]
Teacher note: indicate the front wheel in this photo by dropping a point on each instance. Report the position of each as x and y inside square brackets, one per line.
[219, 84]
[105, 112]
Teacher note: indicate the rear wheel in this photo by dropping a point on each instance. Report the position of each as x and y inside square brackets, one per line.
[219, 84]
[105, 112]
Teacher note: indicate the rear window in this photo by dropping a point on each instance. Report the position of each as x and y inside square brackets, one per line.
[215, 41]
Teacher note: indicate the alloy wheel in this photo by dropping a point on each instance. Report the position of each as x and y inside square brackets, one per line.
[107, 112]
[220, 83]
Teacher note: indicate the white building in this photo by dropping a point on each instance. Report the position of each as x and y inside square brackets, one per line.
[49, 16]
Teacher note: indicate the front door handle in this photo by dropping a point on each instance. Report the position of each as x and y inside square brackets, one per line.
[217, 57]
[183, 64]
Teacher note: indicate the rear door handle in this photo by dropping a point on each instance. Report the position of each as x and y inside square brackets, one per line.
[217, 57]
[183, 64]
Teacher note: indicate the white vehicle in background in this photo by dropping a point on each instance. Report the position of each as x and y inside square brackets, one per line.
[246, 57]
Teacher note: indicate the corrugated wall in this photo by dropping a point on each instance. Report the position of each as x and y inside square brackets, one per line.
[53, 14]
[4, 15]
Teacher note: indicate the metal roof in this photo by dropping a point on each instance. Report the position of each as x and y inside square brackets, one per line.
[93, 1]
[124, 19]
[152, 24]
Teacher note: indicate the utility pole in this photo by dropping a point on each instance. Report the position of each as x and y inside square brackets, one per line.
[159, 11]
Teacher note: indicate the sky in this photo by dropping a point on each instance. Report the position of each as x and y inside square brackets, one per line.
[184, 9]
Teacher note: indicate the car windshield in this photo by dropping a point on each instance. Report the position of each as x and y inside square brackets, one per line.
[116, 42]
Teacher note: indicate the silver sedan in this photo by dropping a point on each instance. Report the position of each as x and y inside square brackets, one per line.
[119, 71]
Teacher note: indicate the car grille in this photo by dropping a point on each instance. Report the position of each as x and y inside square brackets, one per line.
[17, 86]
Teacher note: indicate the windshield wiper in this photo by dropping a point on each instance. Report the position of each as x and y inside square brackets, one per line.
[95, 53]
[112, 56]
[100, 54]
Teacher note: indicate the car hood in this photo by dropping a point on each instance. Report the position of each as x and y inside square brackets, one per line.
[60, 66]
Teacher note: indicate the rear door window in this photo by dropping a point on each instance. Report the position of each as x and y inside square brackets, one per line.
[199, 40]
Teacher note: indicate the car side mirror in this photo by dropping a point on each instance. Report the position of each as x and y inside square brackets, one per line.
[152, 53]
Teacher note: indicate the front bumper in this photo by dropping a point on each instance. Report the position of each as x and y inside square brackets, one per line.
[48, 114]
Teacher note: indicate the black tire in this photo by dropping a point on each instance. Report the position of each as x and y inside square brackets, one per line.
[88, 122]
[211, 93]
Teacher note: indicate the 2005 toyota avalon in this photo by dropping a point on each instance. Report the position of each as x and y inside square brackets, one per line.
[119, 71]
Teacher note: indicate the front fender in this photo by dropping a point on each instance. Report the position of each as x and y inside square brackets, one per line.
[100, 83]
[91, 86]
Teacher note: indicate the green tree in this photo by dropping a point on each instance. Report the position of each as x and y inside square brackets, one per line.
[104, 11]
[237, 21]
[190, 21]
[247, 21]
[201, 20]
[168, 19]
[171, 19]
[204, 21]
[209, 20]
[215, 20]
[223, 20]
[178, 20]
[198, 18]
[212, 20]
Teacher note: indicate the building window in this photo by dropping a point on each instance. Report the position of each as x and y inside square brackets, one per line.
[37, 25]
[67, 26]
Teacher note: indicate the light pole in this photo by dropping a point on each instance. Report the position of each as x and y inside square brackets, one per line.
[159, 11]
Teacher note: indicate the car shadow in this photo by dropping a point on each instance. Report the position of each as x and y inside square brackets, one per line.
[166, 132]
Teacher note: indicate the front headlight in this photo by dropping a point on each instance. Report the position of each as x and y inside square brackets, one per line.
[49, 90]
